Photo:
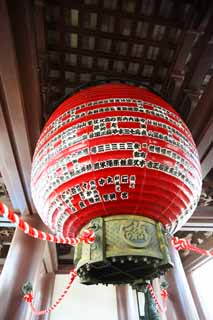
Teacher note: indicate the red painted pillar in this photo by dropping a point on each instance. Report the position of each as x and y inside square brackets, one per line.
[44, 294]
[126, 305]
[23, 264]
[179, 291]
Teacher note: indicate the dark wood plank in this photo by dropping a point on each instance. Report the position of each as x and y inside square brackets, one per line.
[25, 56]
[9, 167]
[118, 13]
[203, 113]
[20, 92]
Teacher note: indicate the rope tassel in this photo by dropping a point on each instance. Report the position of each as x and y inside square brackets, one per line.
[28, 297]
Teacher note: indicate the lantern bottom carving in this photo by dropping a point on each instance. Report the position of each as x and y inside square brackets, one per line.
[128, 249]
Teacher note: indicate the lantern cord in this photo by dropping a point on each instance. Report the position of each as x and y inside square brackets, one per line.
[164, 295]
[28, 297]
[87, 236]
[184, 244]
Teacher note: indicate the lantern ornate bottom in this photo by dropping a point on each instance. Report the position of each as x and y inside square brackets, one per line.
[128, 248]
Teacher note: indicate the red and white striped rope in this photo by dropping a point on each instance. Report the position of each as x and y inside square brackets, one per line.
[29, 296]
[184, 244]
[164, 296]
[88, 236]
[164, 293]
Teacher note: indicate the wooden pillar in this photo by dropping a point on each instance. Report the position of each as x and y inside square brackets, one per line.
[196, 297]
[44, 295]
[126, 306]
[23, 264]
[179, 291]
[157, 290]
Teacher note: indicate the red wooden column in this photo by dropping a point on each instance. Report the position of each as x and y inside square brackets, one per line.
[23, 264]
[157, 290]
[126, 306]
[44, 295]
[179, 291]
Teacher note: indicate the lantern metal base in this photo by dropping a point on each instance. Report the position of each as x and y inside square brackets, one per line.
[128, 248]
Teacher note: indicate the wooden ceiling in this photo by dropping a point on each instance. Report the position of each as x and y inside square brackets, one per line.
[51, 47]
[158, 43]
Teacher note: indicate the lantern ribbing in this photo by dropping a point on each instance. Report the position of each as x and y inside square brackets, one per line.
[115, 149]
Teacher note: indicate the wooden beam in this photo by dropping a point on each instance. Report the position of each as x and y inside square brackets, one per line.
[202, 67]
[20, 94]
[98, 54]
[9, 168]
[177, 70]
[201, 220]
[40, 35]
[194, 260]
[98, 25]
[6, 237]
[82, 68]
[200, 61]
[202, 114]
[75, 4]
[189, 87]
[39, 18]
[184, 49]
[207, 162]
[28, 68]
[13, 99]
[7, 224]
[117, 75]
[149, 35]
[198, 225]
[114, 36]
[206, 139]
[205, 146]
[203, 212]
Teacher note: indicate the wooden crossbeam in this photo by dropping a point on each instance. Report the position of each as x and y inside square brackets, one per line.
[201, 220]
[20, 103]
[110, 35]
[100, 54]
[76, 4]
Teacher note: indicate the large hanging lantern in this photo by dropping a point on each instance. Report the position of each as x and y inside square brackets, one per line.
[116, 158]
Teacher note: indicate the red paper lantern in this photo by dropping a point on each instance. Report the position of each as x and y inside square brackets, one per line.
[115, 149]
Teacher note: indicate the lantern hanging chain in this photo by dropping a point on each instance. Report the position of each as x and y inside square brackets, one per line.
[28, 297]
[164, 295]
[87, 236]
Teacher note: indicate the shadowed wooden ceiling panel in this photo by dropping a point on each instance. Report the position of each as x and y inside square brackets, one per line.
[165, 44]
